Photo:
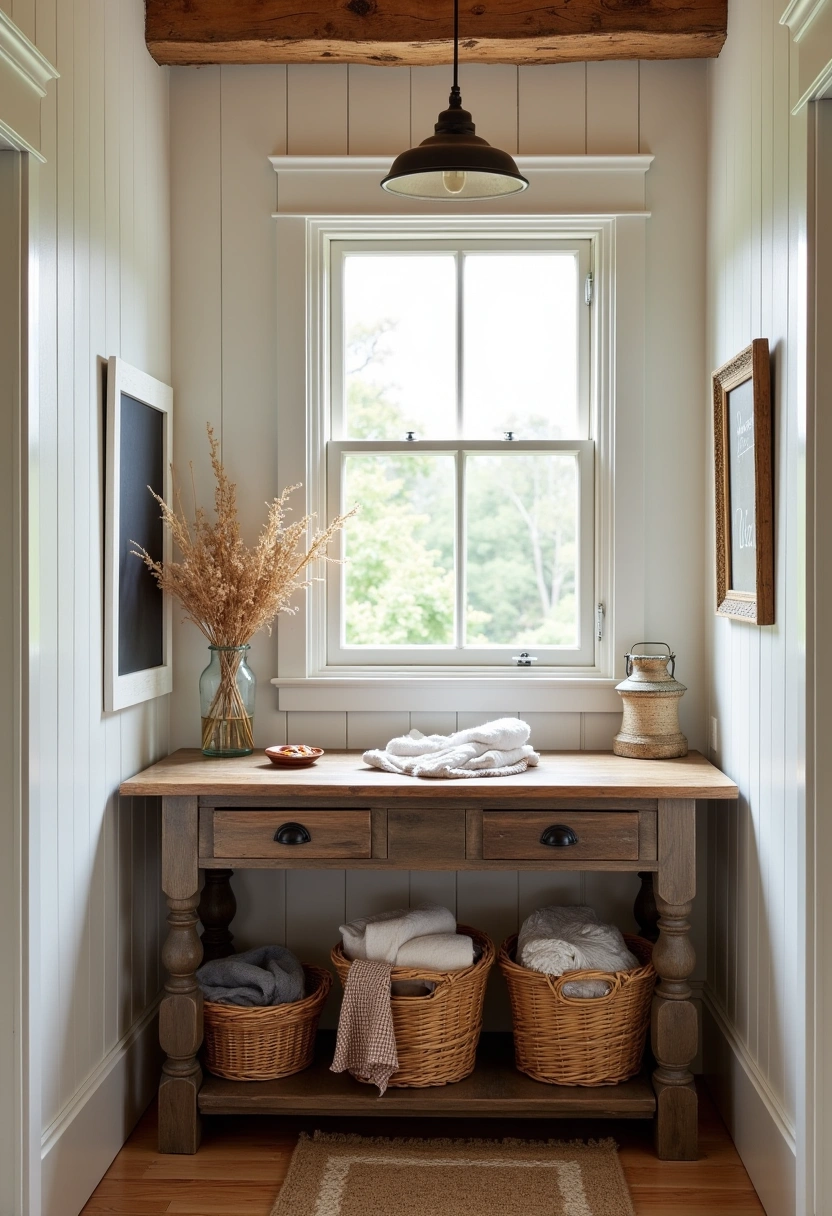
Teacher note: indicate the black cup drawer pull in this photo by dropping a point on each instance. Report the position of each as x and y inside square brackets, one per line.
[292, 833]
[558, 836]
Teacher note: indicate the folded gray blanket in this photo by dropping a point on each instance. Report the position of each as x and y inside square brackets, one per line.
[267, 975]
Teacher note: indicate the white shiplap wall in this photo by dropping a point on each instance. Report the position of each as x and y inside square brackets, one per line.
[104, 289]
[225, 122]
[757, 192]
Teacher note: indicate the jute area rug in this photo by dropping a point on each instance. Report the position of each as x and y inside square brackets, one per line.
[356, 1176]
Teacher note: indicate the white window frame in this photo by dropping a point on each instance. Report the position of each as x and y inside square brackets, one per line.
[601, 199]
[582, 654]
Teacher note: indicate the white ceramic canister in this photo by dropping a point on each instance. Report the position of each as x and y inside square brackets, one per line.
[650, 726]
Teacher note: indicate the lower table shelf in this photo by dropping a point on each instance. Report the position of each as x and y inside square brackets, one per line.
[494, 1089]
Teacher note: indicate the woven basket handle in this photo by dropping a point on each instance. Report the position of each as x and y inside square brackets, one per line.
[557, 982]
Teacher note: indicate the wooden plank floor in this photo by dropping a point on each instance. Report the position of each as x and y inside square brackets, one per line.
[243, 1161]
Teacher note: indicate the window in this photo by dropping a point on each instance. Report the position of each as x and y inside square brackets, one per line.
[460, 398]
[590, 209]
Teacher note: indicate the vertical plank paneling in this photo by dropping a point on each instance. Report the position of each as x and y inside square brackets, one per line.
[112, 343]
[366, 729]
[315, 907]
[757, 676]
[553, 109]
[490, 905]
[554, 732]
[429, 89]
[612, 107]
[379, 110]
[317, 110]
[51, 975]
[253, 118]
[196, 229]
[81, 489]
[103, 258]
[489, 92]
[66, 546]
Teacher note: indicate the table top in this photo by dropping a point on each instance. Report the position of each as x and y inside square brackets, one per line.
[560, 774]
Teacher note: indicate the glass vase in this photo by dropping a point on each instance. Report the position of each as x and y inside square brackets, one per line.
[226, 699]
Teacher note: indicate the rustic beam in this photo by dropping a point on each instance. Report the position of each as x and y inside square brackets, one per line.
[416, 32]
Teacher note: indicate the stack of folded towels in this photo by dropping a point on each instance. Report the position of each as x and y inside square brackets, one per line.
[424, 938]
[267, 975]
[558, 940]
[495, 749]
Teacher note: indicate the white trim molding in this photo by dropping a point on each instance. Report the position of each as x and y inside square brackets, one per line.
[325, 199]
[753, 1114]
[810, 25]
[476, 693]
[79, 1147]
[24, 57]
[24, 77]
[558, 185]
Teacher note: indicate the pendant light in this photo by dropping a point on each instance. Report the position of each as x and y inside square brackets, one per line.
[454, 163]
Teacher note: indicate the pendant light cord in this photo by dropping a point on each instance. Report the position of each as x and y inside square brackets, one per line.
[456, 96]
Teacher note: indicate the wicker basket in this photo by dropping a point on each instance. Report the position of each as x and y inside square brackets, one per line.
[437, 1034]
[265, 1042]
[566, 1040]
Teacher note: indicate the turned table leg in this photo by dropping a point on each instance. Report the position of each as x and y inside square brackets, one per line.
[217, 908]
[674, 1028]
[180, 1015]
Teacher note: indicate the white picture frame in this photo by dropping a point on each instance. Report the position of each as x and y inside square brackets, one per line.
[137, 636]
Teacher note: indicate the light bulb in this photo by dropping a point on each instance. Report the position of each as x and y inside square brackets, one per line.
[453, 181]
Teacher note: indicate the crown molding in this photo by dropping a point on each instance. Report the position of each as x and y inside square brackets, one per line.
[800, 14]
[24, 58]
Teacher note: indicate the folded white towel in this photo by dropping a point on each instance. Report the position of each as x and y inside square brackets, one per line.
[556, 940]
[437, 952]
[495, 749]
[381, 937]
[502, 734]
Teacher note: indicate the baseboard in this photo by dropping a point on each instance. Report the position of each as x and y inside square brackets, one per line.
[79, 1147]
[759, 1127]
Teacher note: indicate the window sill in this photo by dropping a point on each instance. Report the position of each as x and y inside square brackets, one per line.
[529, 693]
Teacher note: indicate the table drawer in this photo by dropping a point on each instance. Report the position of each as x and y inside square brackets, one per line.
[560, 835]
[324, 834]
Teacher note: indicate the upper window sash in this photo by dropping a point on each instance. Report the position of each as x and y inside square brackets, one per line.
[427, 243]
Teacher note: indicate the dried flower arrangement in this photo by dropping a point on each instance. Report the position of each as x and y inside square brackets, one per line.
[229, 590]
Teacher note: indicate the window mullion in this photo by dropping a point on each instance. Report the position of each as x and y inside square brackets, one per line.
[460, 613]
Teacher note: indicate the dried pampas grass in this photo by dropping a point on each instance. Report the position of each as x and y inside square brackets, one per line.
[227, 589]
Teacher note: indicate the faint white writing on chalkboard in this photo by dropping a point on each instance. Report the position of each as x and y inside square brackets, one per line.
[745, 435]
[745, 529]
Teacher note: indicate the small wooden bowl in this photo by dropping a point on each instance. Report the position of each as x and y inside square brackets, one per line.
[282, 756]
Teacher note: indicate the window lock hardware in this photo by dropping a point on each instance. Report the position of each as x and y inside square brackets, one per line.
[410, 436]
[508, 436]
[600, 613]
[524, 660]
[589, 283]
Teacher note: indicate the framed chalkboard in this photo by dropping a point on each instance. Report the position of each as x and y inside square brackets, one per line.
[744, 487]
[137, 616]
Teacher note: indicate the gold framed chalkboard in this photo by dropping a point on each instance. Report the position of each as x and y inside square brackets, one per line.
[743, 485]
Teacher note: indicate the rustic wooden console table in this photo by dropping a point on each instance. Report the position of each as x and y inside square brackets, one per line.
[627, 815]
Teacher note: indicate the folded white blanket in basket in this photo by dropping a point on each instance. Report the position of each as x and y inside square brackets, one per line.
[495, 749]
[556, 940]
[380, 937]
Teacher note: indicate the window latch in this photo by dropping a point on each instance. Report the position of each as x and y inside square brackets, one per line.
[410, 436]
[508, 436]
[600, 613]
[524, 660]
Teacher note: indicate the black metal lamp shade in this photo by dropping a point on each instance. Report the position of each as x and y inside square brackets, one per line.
[454, 163]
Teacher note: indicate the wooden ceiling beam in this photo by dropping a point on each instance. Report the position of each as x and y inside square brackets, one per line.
[416, 32]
